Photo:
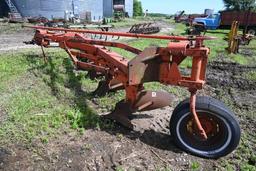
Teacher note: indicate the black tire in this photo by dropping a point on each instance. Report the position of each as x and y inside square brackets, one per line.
[221, 126]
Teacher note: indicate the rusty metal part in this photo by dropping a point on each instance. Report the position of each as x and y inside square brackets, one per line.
[233, 41]
[178, 16]
[38, 20]
[106, 86]
[44, 55]
[145, 101]
[196, 29]
[160, 64]
[246, 18]
[150, 100]
[102, 27]
[122, 114]
[144, 28]
[144, 67]
[246, 39]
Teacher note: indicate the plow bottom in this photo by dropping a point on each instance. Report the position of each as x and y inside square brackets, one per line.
[146, 101]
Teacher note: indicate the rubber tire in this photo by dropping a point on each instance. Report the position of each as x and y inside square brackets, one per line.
[211, 105]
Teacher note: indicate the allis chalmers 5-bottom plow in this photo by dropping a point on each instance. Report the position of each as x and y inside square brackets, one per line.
[200, 125]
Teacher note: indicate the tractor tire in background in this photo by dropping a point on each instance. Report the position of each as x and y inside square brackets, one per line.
[219, 122]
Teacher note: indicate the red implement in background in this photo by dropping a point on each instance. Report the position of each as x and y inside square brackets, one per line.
[153, 64]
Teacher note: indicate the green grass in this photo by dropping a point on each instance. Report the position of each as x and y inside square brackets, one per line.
[244, 156]
[180, 29]
[251, 75]
[119, 168]
[7, 28]
[128, 22]
[218, 46]
[11, 66]
[40, 99]
[194, 166]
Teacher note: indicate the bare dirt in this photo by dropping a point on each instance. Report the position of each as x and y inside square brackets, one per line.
[14, 41]
[101, 150]
[3, 115]
[231, 76]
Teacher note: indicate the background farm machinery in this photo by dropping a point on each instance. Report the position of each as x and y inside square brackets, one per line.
[181, 17]
[141, 28]
[235, 39]
[200, 125]
[235, 20]
[144, 28]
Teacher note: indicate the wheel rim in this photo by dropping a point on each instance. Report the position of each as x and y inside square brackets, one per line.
[216, 127]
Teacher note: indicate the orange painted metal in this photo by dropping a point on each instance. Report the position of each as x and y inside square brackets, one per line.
[163, 37]
[202, 132]
[158, 64]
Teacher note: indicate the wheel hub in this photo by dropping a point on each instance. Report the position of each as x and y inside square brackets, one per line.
[210, 126]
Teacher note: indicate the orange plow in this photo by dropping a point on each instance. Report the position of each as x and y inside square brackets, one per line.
[200, 125]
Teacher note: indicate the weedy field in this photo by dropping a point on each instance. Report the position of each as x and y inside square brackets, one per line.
[51, 121]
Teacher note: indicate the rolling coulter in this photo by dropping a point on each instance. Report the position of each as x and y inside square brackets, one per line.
[200, 125]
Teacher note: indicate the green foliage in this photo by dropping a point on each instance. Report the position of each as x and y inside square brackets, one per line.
[229, 167]
[238, 58]
[194, 166]
[119, 168]
[157, 15]
[39, 99]
[251, 75]
[248, 167]
[239, 4]
[127, 22]
[8, 71]
[137, 8]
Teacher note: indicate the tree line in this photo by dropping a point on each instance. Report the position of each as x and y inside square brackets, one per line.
[137, 8]
[240, 5]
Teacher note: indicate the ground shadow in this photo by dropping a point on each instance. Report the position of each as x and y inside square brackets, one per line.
[150, 137]
[72, 82]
